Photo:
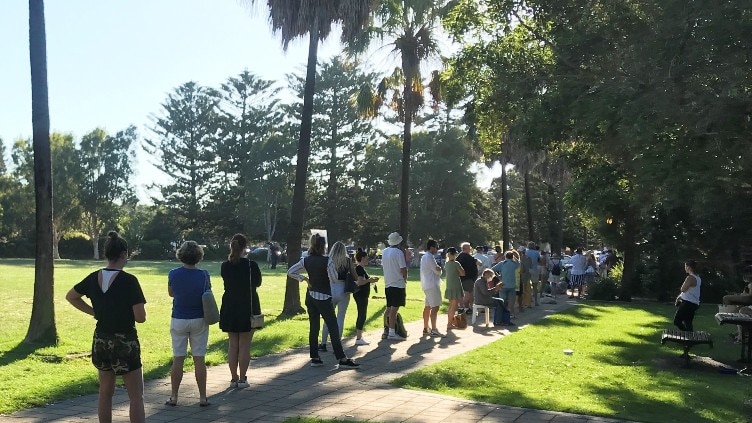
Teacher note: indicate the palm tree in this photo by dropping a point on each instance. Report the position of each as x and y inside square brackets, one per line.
[42, 328]
[411, 26]
[312, 18]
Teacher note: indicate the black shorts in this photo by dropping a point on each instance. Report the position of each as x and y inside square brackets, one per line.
[395, 297]
[467, 284]
[118, 352]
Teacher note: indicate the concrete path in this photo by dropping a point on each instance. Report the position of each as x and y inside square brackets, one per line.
[284, 386]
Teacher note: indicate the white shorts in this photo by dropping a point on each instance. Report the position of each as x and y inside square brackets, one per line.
[433, 297]
[183, 330]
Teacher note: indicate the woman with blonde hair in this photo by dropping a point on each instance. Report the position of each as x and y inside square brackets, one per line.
[241, 279]
[340, 294]
[186, 286]
[321, 270]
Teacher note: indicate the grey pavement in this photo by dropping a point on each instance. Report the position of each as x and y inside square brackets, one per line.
[284, 386]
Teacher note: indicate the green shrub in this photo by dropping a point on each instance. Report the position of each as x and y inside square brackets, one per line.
[76, 246]
[151, 249]
[604, 289]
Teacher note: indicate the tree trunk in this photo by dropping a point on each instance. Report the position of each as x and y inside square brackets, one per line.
[529, 209]
[331, 194]
[553, 220]
[55, 243]
[297, 214]
[42, 328]
[95, 244]
[506, 238]
[630, 250]
[407, 137]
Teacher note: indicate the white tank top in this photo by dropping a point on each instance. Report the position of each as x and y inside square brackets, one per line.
[693, 293]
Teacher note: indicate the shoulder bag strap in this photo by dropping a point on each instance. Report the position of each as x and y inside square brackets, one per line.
[250, 281]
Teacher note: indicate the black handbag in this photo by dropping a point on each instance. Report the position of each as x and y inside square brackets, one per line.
[351, 284]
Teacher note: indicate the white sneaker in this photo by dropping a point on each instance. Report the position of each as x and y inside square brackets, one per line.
[243, 384]
[361, 341]
[396, 337]
[233, 384]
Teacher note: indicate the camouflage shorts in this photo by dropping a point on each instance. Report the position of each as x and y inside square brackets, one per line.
[118, 352]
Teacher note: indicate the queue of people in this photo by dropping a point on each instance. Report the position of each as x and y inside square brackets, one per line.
[496, 280]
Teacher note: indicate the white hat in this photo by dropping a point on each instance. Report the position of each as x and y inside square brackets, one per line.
[394, 238]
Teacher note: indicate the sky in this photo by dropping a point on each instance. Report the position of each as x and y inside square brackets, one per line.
[111, 63]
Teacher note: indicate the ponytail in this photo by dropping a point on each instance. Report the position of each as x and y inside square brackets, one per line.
[114, 246]
[237, 248]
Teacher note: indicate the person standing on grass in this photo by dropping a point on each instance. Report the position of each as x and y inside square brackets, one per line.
[340, 295]
[318, 300]
[361, 295]
[241, 277]
[186, 286]
[430, 281]
[688, 300]
[117, 303]
[453, 291]
[395, 278]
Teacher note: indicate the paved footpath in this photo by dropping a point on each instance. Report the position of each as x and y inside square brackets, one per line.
[284, 386]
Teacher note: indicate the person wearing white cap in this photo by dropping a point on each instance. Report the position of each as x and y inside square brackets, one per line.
[395, 277]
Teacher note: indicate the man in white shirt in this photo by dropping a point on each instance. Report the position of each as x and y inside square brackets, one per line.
[430, 281]
[481, 256]
[395, 277]
[577, 273]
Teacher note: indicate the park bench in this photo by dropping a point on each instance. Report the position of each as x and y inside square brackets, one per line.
[686, 339]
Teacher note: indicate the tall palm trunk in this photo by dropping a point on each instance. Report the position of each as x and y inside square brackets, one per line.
[297, 214]
[506, 238]
[42, 324]
[407, 137]
[529, 208]
[553, 220]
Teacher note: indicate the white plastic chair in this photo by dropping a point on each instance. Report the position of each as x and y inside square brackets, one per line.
[476, 310]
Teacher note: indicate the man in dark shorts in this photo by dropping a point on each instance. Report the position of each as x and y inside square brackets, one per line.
[395, 275]
[470, 265]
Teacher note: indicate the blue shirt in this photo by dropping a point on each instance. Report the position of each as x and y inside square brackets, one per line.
[187, 288]
[507, 269]
[534, 257]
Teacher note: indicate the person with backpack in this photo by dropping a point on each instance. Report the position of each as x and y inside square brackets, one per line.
[554, 277]
[318, 299]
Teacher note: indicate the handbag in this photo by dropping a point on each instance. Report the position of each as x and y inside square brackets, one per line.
[351, 285]
[460, 321]
[257, 320]
[211, 311]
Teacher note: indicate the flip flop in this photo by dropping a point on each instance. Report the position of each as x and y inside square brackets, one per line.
[171, 402]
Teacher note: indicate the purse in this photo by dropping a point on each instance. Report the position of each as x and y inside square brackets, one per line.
[351, 285]
[211, 311]
[257, 320]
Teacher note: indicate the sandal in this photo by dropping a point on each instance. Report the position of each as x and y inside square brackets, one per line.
[171, 402]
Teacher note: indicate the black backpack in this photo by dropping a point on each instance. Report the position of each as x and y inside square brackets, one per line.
[556, 270]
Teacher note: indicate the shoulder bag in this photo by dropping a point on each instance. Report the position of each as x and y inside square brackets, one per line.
[211, 311]
[257, 320]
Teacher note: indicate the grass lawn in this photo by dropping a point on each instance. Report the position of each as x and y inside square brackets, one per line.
[618, 369]
[32, 376]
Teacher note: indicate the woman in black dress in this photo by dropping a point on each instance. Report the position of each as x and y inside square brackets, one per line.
[235, 315]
